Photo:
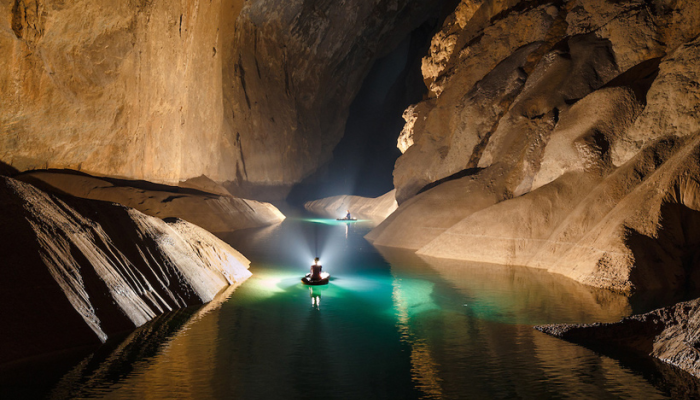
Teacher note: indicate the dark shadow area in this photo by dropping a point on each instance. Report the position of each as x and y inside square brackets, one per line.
[67, 374]
[638, 78]
[673, 381]
[670, 261]
[7, 170]
[456, 175]
[363, 161]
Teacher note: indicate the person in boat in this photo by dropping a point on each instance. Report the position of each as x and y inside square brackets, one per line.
[348, 216]
[316, 270]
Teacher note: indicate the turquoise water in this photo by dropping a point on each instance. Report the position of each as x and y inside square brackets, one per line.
[390, 325]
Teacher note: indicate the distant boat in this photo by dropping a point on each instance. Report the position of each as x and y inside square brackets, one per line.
[323, 281]
[346, 219]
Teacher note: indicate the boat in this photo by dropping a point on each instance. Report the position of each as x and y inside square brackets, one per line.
[346, 219]
[323, 281]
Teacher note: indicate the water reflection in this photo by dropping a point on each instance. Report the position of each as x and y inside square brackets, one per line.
[478, 342]
[516, 295]
[391, 325]
[407, 302]
[315, 294]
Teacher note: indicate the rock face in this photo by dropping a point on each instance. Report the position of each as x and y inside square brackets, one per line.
[364, 207]
[169, 90]
[294, 70]
[131, 90]
[671, 334]
[77, 273]
[214, 212]
[558, 135]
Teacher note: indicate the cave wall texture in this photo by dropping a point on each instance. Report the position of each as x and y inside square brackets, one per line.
[130, 89]
[560, 135]
[76, 272]
[254, 94]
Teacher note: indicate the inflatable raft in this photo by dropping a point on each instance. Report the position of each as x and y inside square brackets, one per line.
[323, 281]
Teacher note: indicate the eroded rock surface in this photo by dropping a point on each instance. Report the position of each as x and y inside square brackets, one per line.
[671, 334]
[215, 212]
[76, 271]
[377, 208]
[558, 135]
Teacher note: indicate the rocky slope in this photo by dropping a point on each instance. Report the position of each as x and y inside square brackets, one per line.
[77, 272]
[250, 93]
[363, 207]
[558, 135]
[671, 334]
[215, 212]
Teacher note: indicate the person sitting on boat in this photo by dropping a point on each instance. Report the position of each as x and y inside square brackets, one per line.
[348, 216]
[316, 270]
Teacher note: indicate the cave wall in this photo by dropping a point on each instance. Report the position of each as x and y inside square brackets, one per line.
[130, 89]
[557, 135]
[295, 68]
[166, 90]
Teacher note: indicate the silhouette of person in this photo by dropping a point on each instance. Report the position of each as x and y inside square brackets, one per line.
[316, 270]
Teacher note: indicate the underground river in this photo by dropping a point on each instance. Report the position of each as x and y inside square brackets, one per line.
[389, 325]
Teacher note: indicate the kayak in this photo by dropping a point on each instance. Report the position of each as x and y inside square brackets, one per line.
[346, 219]
[323, 281]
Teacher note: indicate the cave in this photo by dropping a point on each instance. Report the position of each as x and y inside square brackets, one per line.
[367, 199]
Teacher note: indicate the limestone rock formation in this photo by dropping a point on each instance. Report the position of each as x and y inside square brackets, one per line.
[131, 89]
[77, 272]
[558, 135]
[671, 334]
[249, 93]
[295, 68]
[376, 209]
[213, 212]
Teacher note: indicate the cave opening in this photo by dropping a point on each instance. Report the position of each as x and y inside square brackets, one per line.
[363, 161]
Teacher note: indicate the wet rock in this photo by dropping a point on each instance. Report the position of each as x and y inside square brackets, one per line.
[669, 334]
[76, 272]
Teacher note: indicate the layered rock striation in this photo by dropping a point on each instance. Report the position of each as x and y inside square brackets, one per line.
[77, 272]
[561, 136]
